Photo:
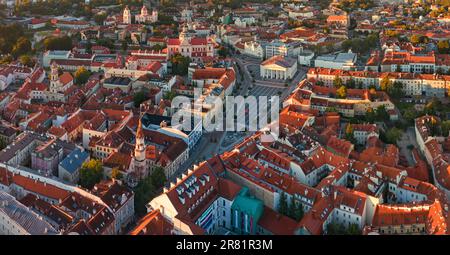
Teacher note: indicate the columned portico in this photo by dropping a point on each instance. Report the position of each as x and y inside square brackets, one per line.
[279, 68]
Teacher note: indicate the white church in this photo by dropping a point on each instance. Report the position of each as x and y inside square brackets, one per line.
[143, 17]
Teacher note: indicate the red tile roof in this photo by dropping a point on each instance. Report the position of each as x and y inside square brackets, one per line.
[395, 215]
[153, 223]
[40, 188]
[276, 223]
[65, 78]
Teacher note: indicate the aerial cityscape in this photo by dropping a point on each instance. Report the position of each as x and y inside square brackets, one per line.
[224, 117]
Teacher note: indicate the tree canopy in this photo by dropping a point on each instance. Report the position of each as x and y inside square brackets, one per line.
[22, 46]
[180, 64]
[350, 5]
[138, 98]
[337, 82]
[82, 75]
[147, 189]
[58, 43]
[334, 228]
[12, 39]
[393, 135]
[341, 92]
[91, 173]
[26, 60]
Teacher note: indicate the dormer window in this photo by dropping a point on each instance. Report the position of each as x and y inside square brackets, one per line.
[182, 200]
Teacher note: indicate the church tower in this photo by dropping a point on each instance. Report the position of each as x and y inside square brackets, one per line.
[154, 15]
[139, 150]
[138, 166]
[54, 78]
[144, 11]
[184, 35]
[126, 16]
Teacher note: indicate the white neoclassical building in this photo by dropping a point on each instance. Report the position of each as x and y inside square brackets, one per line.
[278, 67]
[145, 17]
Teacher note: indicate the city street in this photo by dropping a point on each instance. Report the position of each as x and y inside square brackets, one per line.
[408, 138]
[218, 142]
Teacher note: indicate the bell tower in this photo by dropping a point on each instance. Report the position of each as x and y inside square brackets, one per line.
[126, 16]
[139, 150]
[138, 165]
[54, 78]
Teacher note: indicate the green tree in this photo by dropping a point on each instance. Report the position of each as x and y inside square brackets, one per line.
[415, 39]
[170, 95]
[350, 5]
[391, 33]
[349, 133]
[353, 229]
[6, 59]
[445, 126]
[433, 106]
[180, 64]
[143, 193]
[443, 47]
[347, 44]
[100, 18]
[372, 40]
[116, 174]
[381, 113]
[393, 135]
[349, 129]
[337, 82]
[341, 92]
[292, 207]
[158, 47]
[299, 212]
[9, 36]
[138, 98]
[91, 173]
[385, 83]
[89, 47]
[283, 206]
[351, 84]
[223, 52]
[58, 43]
[370, 115]
[334, 228]
[158, 177]
[295, 210]
[26, 60]
[82, 75]
[395, 90]
[22, 46]
[410, 114]
[3, 144]
[106, 42]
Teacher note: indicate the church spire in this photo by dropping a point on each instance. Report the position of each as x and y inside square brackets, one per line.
[139, 149]
[139, 132]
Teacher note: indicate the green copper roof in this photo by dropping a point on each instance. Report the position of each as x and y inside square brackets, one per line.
[228, 19]
[250, 205]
